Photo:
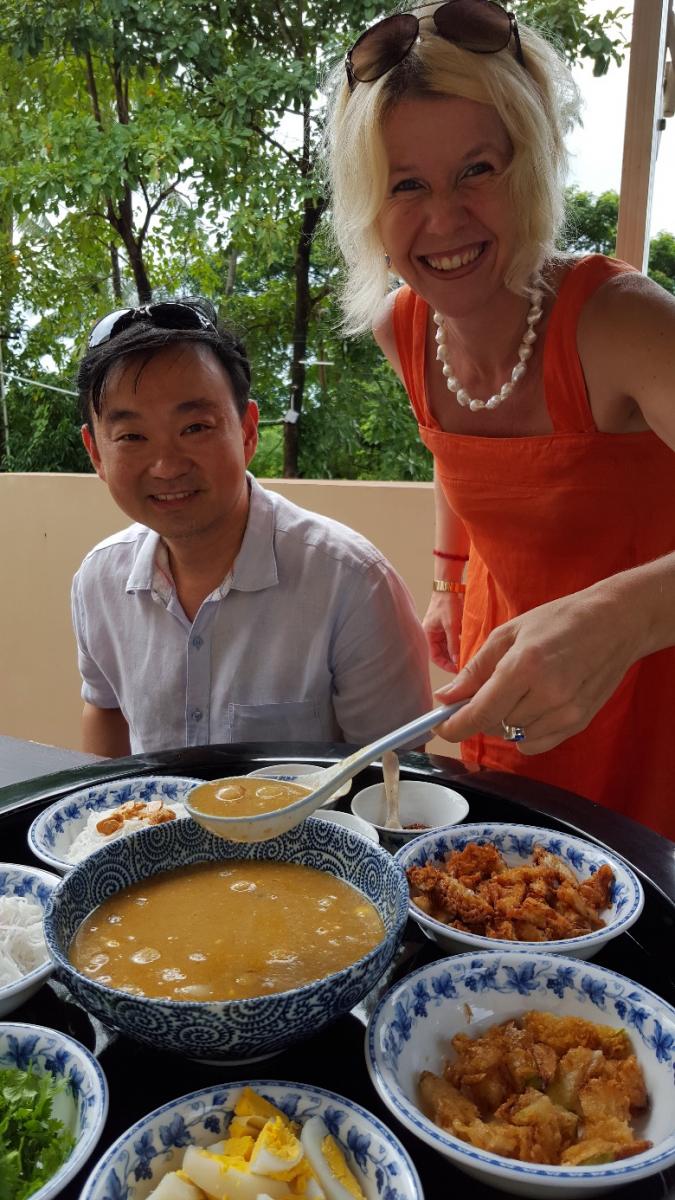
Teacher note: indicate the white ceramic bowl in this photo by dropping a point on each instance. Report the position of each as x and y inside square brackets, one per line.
[37, 886]
[516, 843]
[348, 821]
[430, 804]
[133, 1166]
[54, 830]
[48, 1050]
[293, 772]
[411, 1028]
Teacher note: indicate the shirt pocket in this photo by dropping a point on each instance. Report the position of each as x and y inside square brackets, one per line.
[291, 720]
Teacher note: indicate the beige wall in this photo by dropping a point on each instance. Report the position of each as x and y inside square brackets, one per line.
[47, 524]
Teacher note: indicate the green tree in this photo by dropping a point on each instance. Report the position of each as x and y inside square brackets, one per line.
[591, 228]
[148, 153]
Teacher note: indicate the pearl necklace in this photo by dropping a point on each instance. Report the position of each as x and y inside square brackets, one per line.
[524, 352]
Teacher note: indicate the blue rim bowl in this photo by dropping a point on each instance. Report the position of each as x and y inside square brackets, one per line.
[155, 1144]
[49, 1050]
[54, 829]
[228, 1030]
[516, 843]
[412, 1027]
[35, 885]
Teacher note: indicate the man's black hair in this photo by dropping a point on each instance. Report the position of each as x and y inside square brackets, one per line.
[144, 339]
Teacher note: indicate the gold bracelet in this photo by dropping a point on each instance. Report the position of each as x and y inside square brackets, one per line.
[444, 585]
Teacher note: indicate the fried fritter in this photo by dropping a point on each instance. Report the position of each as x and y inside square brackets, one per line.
[542, 1088]
[541, 901]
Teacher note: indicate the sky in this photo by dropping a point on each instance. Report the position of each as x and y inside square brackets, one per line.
[596, 150]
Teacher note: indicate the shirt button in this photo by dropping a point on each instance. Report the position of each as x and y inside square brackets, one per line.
[197, 714]
[197, 642]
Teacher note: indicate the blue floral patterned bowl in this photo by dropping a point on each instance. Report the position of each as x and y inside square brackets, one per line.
[232, 1030]
[133, 1166]
[515, 843]
[53, 832]
[36, 886]
[411, 1028]
[85, 1105]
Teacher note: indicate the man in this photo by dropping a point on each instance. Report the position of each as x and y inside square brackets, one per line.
[226, 613]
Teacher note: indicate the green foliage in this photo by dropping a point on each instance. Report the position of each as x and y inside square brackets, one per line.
[579, 35]
[167, 147]
[591, 228]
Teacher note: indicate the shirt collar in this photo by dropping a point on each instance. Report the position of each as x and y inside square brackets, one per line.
[255, 566]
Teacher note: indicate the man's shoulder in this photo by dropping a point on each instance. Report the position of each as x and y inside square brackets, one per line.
[314, 533]
[119, 550]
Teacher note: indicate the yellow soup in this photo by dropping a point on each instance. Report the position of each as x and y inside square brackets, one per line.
[226, 931]
[244, 797]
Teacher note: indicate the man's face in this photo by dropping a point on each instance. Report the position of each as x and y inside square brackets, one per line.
[171, 445]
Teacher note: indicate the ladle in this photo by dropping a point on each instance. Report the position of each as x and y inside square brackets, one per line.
[263, 826]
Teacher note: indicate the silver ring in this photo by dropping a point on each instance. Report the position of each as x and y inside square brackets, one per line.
[513, 733]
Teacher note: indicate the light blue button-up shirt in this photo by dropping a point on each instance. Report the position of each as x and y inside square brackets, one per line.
[311, 637]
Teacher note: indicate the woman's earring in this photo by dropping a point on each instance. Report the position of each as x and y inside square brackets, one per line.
[387, 260]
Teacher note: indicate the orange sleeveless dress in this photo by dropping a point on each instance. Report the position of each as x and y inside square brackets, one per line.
[547, 516]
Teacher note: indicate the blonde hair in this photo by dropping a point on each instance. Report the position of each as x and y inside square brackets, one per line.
[538, 105]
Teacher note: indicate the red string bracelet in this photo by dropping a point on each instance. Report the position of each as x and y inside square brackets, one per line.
[452, 557]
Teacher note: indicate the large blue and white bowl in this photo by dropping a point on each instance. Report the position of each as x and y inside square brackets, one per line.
[84, 1106]
[36, 886]
[516, 843]
[54, 830]
[411, 1029]
[155, 1145]
[232, 1030]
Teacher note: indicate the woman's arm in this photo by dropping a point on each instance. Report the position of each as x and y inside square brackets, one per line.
[443, 619]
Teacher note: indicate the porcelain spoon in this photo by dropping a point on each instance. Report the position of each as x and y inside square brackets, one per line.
[263, 826]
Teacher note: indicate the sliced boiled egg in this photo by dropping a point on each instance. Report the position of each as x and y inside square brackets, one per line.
[229, 1178]
[176, 1186]
[277, 1151]
[328, 1162]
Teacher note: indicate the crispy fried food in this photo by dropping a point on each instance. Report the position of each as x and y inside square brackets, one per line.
[568, 1033]
[544, 1089]
[541, 901]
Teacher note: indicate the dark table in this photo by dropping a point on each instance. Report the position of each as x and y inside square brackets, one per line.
[141, 1080]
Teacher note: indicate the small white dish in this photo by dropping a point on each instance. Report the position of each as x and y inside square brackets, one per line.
[292, 772]
[516, 844]
[411, 1029]
[54, 830]
[132, 1167]
[348, 821]
[36, 886]
[53, 1052]
[420, 802]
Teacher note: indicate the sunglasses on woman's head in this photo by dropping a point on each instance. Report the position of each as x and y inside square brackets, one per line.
[168, 315]
[480, 26]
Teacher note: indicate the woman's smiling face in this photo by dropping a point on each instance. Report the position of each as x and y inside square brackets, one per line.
[446, 221]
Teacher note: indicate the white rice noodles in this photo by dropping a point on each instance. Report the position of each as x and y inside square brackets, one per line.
[89, 838]
[22, 943]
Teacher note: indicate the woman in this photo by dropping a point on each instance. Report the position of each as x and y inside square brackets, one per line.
[543, 386]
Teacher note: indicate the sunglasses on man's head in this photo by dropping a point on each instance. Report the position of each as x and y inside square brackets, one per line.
[481, 26]
[167, 315]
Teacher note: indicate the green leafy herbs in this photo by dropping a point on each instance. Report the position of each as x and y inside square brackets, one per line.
[33, 1143]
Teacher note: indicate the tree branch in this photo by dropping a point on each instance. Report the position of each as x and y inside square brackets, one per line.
[273, 142]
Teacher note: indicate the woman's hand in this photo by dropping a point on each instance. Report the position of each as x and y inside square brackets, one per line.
[551, 669]
[443, 626]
